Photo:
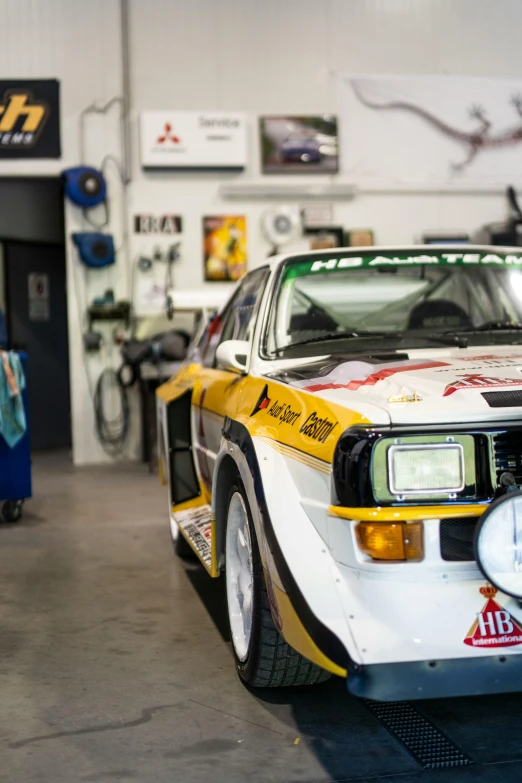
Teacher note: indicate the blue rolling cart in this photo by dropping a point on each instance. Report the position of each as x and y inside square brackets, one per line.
[15, 468]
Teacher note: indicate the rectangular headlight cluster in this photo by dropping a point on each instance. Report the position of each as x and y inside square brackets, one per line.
[418, 469]
[433, 467]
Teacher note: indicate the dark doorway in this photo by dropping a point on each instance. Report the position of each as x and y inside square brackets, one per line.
[37, 323]
[32, 209]
[33, 295]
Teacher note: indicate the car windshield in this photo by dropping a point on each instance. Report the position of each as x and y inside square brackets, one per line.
[400, 298]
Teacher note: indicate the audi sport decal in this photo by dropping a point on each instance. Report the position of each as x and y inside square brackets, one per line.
[478, 382]
[494, 626]
[284, 413]
[263, 401]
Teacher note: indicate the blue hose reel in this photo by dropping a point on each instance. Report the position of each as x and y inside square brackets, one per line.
[85, 186]
[96, 250]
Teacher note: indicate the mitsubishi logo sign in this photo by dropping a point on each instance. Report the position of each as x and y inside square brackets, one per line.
[193, 139]
[168, 135]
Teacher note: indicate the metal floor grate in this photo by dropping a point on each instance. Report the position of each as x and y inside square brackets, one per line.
[426, 743]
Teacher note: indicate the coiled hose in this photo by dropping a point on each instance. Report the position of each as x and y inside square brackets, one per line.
[112, 432]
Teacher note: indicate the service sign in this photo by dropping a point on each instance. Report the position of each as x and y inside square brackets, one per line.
[30, 118]
[193, 139]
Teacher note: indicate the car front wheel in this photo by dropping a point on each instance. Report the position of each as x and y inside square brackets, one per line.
[263, 658]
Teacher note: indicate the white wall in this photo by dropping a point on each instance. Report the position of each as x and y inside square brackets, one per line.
[78, 43]
[280, 56]
[259, 56]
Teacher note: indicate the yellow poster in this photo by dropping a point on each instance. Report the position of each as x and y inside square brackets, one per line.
[225, 248]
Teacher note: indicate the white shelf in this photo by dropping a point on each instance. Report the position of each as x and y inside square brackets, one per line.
[295, 191]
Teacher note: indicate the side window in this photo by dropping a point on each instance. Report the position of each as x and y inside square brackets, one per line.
[209, 341]
[237, 320]
[239, 316]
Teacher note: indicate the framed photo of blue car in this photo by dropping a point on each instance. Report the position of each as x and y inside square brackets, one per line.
[299, 144]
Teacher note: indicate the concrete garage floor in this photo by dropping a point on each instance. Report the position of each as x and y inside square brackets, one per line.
[115, 664]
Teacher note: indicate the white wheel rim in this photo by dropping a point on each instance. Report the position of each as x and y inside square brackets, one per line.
[239, 575]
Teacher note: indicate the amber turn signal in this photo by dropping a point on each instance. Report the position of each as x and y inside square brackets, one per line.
[391, 540]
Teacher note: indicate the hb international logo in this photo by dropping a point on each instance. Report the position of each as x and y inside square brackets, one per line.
[22, 119]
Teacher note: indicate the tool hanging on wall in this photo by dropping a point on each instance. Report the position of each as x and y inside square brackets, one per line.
[96, 250]
[173, 255]
[86, 187]
[106, 308]
[92, 341]
[145, 264]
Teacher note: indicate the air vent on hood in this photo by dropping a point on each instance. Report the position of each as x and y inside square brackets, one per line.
[504, 399]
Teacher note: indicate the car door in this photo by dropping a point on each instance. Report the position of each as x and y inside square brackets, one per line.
[216, 391]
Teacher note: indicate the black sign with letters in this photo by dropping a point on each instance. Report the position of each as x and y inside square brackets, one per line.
[30, 118]
[157, 224]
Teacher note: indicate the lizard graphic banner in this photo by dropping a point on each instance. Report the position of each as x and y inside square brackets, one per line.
[430, 131]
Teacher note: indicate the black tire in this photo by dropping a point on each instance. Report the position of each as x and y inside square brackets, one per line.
[270, 661]
[12, 510]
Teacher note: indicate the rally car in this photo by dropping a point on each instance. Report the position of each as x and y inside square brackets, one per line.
[300, 147]
[344, 447]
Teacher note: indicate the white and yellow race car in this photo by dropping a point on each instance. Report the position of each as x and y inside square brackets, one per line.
[344, 446]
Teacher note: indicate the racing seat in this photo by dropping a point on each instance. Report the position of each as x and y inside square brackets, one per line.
[438, 313]
[313, 320]
[310, 325]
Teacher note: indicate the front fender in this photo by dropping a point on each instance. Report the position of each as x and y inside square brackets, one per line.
[301, 574]
[231, 461]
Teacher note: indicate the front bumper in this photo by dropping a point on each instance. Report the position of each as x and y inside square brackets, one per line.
[436, 679]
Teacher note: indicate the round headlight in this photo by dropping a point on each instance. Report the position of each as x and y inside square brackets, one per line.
[498, 544]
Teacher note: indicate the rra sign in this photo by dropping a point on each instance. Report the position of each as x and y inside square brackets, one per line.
[157, 224]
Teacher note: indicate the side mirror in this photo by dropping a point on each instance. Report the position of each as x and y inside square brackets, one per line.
[233, 355]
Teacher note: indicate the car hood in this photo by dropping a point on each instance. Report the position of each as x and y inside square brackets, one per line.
[421, 386]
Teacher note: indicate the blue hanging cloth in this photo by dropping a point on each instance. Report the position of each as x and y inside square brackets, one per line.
[13, 423]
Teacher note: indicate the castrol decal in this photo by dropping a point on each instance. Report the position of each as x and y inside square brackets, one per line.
[494, 626]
